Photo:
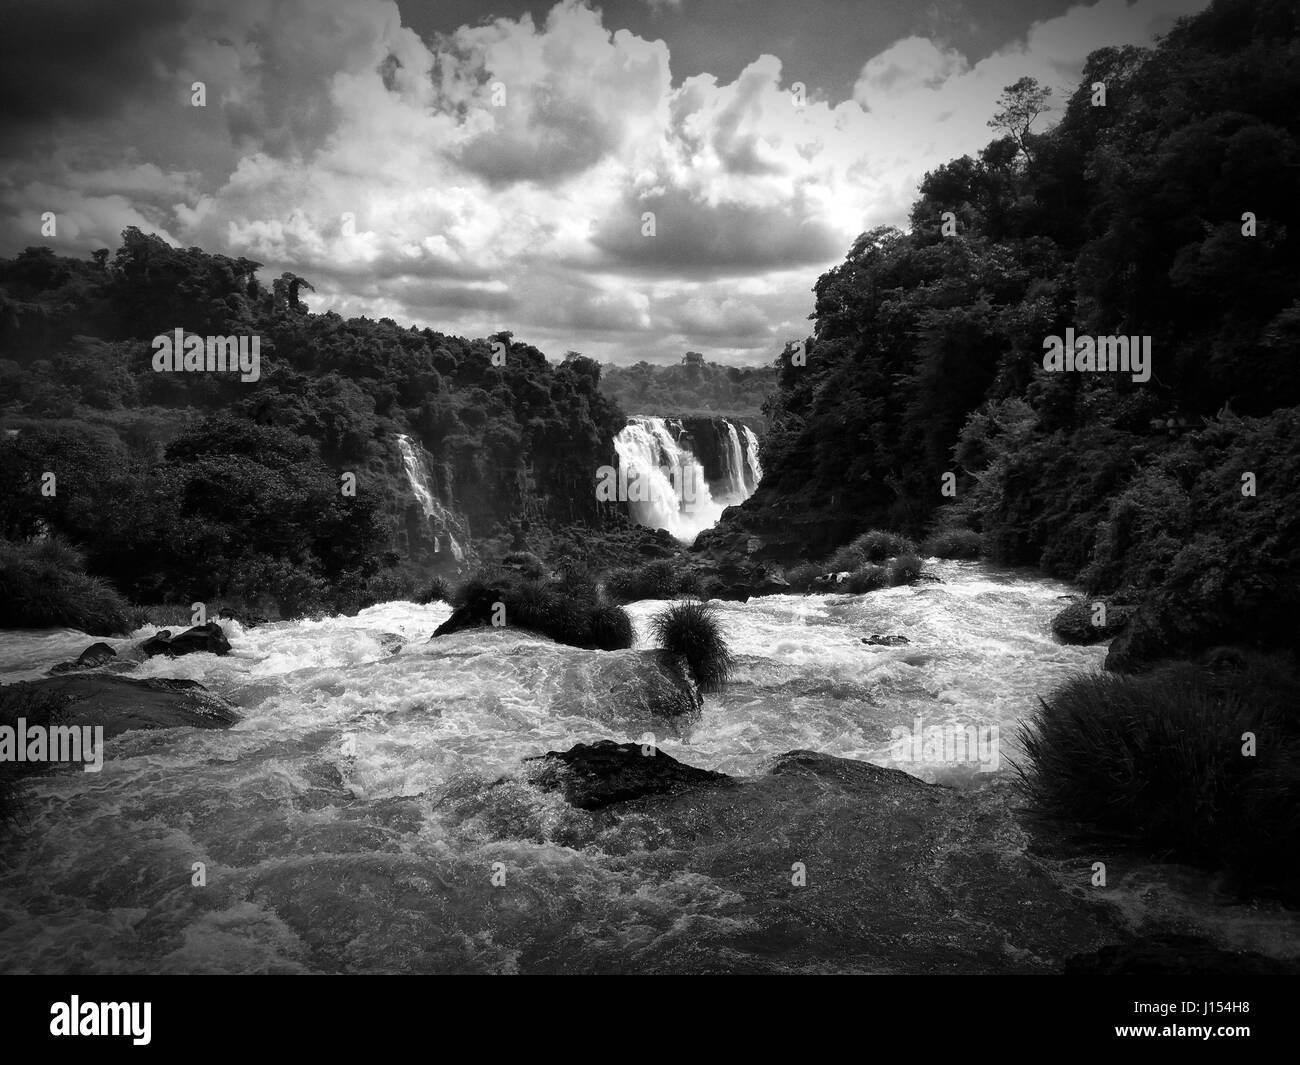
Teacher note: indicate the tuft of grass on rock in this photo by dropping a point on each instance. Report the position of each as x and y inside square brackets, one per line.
[876, 545]
[867, 578]
[905, 569]
[437, 590]
[692, 630]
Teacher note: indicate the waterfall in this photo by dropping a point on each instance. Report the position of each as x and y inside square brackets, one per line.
[736, 491]
[666, 483]
[417, 476]
[753, 469]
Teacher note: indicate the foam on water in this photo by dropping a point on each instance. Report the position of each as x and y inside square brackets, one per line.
[349, 819]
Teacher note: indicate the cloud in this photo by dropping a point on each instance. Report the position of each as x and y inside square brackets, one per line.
[390, 171]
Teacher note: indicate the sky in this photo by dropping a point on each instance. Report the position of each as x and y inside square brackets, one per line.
[475, 167]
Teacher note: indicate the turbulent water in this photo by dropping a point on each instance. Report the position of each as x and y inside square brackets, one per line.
[352, 821]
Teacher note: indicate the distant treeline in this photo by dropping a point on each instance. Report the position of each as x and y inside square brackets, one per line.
[696, 387]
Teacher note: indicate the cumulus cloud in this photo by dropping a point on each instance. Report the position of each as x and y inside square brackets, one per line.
[498, 176]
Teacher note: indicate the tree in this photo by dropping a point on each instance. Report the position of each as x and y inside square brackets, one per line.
[1018, 106]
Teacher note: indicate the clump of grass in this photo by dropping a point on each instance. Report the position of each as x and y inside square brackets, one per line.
[801, 577]
[875, 545]
[569, 613]
[953, 543]
[867, 578]
[437, 590]
[905, 569]
[43, 585]
[609, 628]
[660, 579]
[692, 631]
[1160, 757]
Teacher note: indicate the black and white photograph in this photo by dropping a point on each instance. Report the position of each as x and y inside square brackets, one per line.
[650, 487]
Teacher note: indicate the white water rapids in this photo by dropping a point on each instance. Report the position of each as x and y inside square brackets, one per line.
[347, 825]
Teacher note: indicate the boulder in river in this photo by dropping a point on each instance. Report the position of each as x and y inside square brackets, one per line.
[94, 655]
[1091, 621]
[876, 640]
[210, 638]
[595, 775]
[120, 704]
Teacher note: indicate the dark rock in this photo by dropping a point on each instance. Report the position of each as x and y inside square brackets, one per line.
[94, 655]
[475, 613]
[876, 640]
[391, 642]
[210, 638]
[592, 776]
[1074, 624]
[1174, 955]
[121, 704]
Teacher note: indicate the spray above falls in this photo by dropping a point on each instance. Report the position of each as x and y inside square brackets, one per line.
[683, 473]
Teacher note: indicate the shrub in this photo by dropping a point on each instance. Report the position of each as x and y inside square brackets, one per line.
[43, 585]
[876, 545]
[801, 577]
[609, 627]
[660, 579]
[952, 543]
[436, 591]
[905, 569]
[691, 629]
[867, 578]
[565, 614]
[576, 580]
[1159, 756]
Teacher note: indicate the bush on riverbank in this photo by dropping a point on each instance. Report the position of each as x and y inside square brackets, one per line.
[952, 543]
[876, 545]
[43, 585]
[1162, 756]
[660, 579]
[692, 631]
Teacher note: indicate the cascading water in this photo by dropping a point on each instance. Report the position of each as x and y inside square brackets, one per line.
[352, 821]
[667, 487]
[754, 472]
[735, 467]
[417, 476]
